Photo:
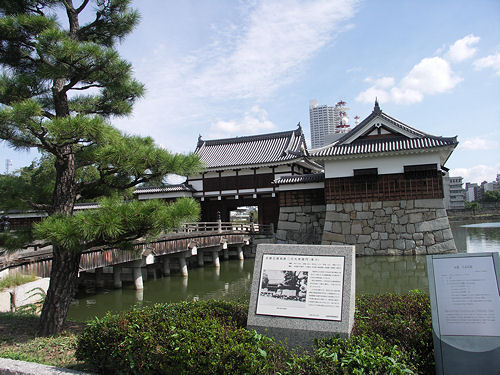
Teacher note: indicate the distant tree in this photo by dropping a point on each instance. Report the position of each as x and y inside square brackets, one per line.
[474, 206]
[60, 82]
[491, 196]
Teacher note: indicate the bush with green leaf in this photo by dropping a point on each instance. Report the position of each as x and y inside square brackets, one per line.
[184, 338]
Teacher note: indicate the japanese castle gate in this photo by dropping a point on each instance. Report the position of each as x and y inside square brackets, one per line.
[378, 187]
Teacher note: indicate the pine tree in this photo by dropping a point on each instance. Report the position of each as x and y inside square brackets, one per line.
[61, 81]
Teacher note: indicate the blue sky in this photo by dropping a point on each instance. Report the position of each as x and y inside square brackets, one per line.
[227, 68]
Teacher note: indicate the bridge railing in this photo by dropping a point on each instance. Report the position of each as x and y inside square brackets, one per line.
[226, 227]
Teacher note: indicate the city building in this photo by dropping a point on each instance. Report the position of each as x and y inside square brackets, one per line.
[454, 193]
[471, 192]
[327, 123]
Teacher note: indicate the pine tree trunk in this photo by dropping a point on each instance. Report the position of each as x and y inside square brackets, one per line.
[62, 287]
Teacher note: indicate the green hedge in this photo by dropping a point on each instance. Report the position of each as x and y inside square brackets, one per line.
[391, 336]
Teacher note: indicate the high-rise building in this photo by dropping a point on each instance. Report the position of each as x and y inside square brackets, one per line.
[327, 122]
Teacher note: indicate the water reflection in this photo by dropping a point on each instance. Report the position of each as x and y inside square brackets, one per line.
[233, 279]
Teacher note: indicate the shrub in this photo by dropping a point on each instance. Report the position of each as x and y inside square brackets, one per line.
[402, 320]
[356, 355]
[185, 338]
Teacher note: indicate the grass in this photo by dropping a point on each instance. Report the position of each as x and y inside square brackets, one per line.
[15, 280]
[19, 341]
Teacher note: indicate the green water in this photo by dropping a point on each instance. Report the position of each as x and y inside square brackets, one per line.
[233, 280]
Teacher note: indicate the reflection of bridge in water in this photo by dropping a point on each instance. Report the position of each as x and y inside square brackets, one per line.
[193, 244]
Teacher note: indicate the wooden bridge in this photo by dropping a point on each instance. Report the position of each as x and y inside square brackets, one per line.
[193, 241]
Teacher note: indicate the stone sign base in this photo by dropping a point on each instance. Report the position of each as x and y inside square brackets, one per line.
[321, 306]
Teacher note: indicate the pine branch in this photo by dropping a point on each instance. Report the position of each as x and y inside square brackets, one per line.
[82, 7]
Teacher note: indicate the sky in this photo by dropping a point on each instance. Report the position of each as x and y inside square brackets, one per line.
[230, 68]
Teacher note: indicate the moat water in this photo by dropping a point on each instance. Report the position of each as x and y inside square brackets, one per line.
[233, 279]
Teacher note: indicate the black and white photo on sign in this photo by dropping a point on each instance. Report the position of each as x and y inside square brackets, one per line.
[289, 285]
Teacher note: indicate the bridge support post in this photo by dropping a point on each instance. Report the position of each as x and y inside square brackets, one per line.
[166, 266]
[225, 254]
[200, 258]
[183, 266]
[239, 251]
[215, 257]
[99, 280]
[117, 277]
[137, 274]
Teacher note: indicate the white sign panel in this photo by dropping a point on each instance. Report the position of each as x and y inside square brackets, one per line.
[301, 286]
[468, 298]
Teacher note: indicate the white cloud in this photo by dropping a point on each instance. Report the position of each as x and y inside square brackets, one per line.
[491, 61]
[253, 122]
[478, 173]
[247, 60]
[463, 48]
[432, 75]
[478, 143]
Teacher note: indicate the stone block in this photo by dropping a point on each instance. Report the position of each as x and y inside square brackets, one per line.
[438, 236]
[346, 228]
[281, 235]
[429, 203]
[283, 216]
[382, 219]
[330, 207]
[291, 216]
[366, 206]
[388, 210]
[398, 228]
[333, 237]
[389, 228]
[337, 216]
[303, 219]
[307, 209]
[432, 225]
[429, 215]
[386, 244]
[394, 219]
[393, 236]
[358, 206]
[443, 247]
[368, 229]
[418, 236]
[441, 212]
[384, 236]
[374, 235]
[409, 244]
[447, 234]
[287, 225]
[415, 217]
[390, 203]
[420, 250]
[348, 207]
[375, 205]
[356, 228]
[429, 239]
[328, 226]
[410, 204]
[379, 212]
[350, 239]
[394, 252]
[404, 219]
[410, 228]
[363, 238]
[364, 215]
[318, 208]
[336, 227]
[374, 244]
[400, 244]
[369, 251]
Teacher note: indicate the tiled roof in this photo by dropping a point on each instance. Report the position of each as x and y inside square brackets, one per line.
[273, 148]
[300, 179]
[164, 189]
[384, 145]
[408, 138]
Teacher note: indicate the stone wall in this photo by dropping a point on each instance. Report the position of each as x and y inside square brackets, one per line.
[401, 227]
[301, 224]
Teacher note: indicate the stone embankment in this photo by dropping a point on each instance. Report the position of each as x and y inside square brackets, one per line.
[403, 227]
[301, 224]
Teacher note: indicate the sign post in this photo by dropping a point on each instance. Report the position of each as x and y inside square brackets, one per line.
[465, 303]
[303, 292]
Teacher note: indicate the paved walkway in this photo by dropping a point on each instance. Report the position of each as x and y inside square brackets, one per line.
[11, 367]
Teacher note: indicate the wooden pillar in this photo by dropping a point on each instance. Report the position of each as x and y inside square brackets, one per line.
[117, 277]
